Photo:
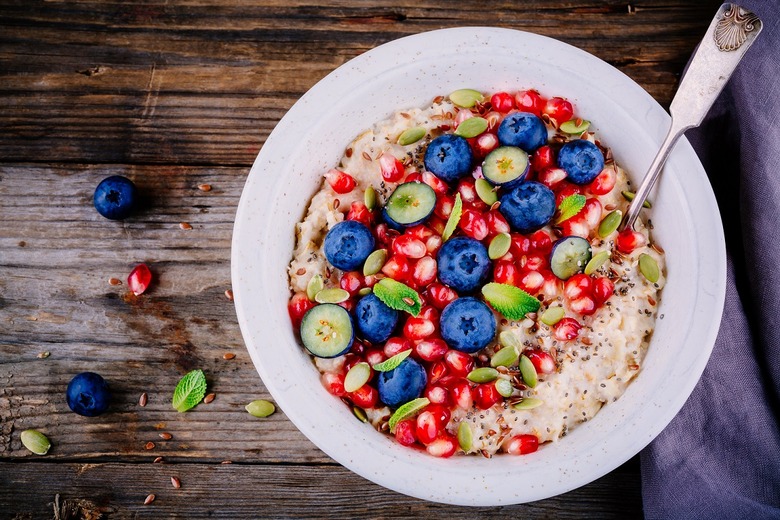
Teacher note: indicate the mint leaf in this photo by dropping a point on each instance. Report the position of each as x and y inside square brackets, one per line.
[513, 302]
[391, 363]
[407, 410]
[190, 391]
[398, 296]
[452, 222]
[570, 206]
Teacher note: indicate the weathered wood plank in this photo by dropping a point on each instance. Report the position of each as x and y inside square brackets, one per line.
[259, 491]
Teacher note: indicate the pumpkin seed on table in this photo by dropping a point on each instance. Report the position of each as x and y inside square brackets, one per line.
[505, 357]
[649, 268]
[483, 375]
[370, 198]
[260, 408]
[411, 135]
[529, 403]
[553, 315]
[36, 442]
[465, 437]
[335, 295]
[629, 196]
[596, 262]
[315, 285]
[472, 127]
[466, 97]
[357, 376]
[610, 223]
[528, 371]
[375, 262]
[499, 246]
[485, 191]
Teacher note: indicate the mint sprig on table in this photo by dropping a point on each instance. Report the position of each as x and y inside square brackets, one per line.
[189, 391]
[398, 296]
[512, 302]
[570, 206]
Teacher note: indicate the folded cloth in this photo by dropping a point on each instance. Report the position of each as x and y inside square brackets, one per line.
[720, 456]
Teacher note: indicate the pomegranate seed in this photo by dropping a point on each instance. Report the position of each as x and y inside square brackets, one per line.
[436, 372]
[350, 360]
[552, 177]
[384, 235]
[467, 190]
[397, 267]
[486, 395]
[543, 158]
[577, 286]
[392, 168]
[591, 212]
[584, 305]
[603, 288]
[437, 224]
[340, 181]
[558, 109]
[440, 413]
[357, 348]
[427, 427]
[461, 395]
[298, 306]
[440, 295]
[420, 231]
[438, 185]
[604, 181]
[531, 282]
[521, 245]
[359, 212]
[565, 189]
[535, 262]
[567, 329]
[444, 446]
[628, 240]
[496, 222]
[506, 272]
[409, 246]
[473, 224]
[404, 432]
[437, 395]
[334, 383]
[462, 115]
[139, 279]
[541, 242]
[576, 226]
[418, 328]
[348, 304]
[552, 285]
[429, 313]
[374, 356]
[413, 177]
[484, 144]
[424, 271]
[443, 207]
[529, 101]
[433, 244]
[432, 349]
[365, 397]
[543, 361]
[459, 363]
[396, 345]
[522, 444]
[502, 102]
[351, 282]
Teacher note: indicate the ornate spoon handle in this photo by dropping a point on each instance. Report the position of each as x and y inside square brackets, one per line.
[729, 36]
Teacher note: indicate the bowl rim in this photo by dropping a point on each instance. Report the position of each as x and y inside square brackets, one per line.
[355, 71]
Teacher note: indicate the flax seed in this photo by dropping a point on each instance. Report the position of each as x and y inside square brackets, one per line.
[226, 462]
[204, 187]
[114, 281]
[43, 355]
[157, 460]
[336, 204]
[185, 225]
[143, 399]
[227, 356]
[408, 301]
[229, 294]
[165, 436]
[366, 156]
[301, 271]
[175, 482]
[348, 152]
[209, 398]
[149, 499]
[149, 445]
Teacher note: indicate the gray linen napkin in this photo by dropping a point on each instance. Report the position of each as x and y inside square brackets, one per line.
[720, 457]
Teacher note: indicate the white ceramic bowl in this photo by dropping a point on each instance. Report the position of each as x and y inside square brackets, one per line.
[410, 72]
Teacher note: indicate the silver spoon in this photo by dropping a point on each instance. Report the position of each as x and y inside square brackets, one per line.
[729, 36]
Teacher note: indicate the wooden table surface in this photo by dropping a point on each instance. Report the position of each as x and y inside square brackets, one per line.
[174, 95]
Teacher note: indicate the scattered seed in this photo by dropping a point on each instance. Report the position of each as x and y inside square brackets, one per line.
[43, 355]
[260, 408]
[209, 398]
[175, 482]
[649, 267]
[408, 301]
[165, 435]
[336, 203]
[366, 156]
[226, 462]
[482, 375]
[114, 281]
[333, 295]
[466, 97]
[229, 294]
[375, 262]
[149, 445]
[227, 356]
[360, 414]
[157, 460]
[185, 225]
[149, 499]
[36, 442]
[411, 135]
[204, 187]
[143, 399]
[301, 271]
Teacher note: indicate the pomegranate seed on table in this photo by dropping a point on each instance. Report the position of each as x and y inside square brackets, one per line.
[551, 177]
[502, 102]
[496, 222]
[427, 427]
[473, 224]
[445, 445]
[418, 328]
[461, 395]
[459, 363]
[404, 432]
[603, 288]
[409, 246]
[522, 445]
[542, 158]
[440, 295]
[397, 267]
[340, 181]
[432, 349]
[396, 345]
[334, 383]
[438, 185]
[577, 286]
[360, 213]
[558, 109]
[541, 242]
[567, 329]
[584, 305]
[506, 272]
[365, 397]
[530, 101]
[351, 282]
[139, 279]
[543, 361]
[486, 395]
[392, 169]
[437, 395]
[604, 181]
[628, 240]
[298, 306]
[531, 281]
[424, 270]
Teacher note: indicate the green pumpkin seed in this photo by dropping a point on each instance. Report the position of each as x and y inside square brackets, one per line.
[508, 338]
[370, 198]
[482, 375]
[553, 315]
[36, 442]
[466, 97]
[411, 135]
[357, 376]
[596, 261]
[315, 285]
[485, 191]
[528, 371]
[629, 196]
[610, 223]
[499, 246]
[504, 387]
[529, 403]
[334, 295]
[359, 413]
[365, 291]
[260, 408]
[571, 127]
[472, 127]
[465, 438]
[405, 411]
[375, 262]
[506, 357]
[649, 268]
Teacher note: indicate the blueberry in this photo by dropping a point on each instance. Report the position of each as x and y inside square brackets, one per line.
[402, 384]
[115, 197]
[528, 207]
[463, 264]
[88, 394]
[582, 161]
[375, 320]
[449, 157]
[348, 244]
[468, 325]
[524, 130]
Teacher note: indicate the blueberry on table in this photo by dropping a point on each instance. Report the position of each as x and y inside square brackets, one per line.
[375, 320]
[348, 244]
[463, 264]
[115, 197]
[88, 394]
[449, 157]
[402, 384]
[528, 207]
[524, 130]
[582, 161]
[468, 325]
